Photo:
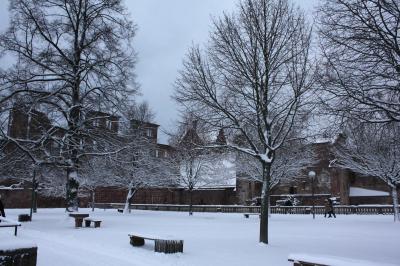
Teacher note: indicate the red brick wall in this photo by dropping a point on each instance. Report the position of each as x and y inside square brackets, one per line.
[371, 200]
[22, 199]
[168, 196]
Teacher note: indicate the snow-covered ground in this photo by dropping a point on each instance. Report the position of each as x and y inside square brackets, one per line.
[210, 238]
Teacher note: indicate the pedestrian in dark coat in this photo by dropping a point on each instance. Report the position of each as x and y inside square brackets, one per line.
[332, 210]
[327, 208]
[2, 208]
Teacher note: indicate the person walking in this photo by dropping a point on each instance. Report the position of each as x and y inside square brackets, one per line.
[2, 213]
[327, 208]
[332, 210]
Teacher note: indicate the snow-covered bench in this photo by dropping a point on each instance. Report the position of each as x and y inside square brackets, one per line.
[96, 222]
[322, 260]
[247, 215]
[164, 245]
[9, 223]
[18, 252]
[78, 218]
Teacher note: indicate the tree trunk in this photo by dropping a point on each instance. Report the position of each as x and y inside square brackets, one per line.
[33, 193]
[269, 206]
[93, 192]
[35, 199]
[190, 201]
[265, 203]
[395, 204]
[129, 196]
[72, 191]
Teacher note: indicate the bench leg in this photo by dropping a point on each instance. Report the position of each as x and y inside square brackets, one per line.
[87, 223]
[15, 231]
[78, 222]
[96, 224]
[137, 241]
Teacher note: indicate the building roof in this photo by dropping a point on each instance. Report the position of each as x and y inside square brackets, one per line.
[363, 192]
[135, 122]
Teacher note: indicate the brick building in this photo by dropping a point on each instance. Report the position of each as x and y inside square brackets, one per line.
[349, 187]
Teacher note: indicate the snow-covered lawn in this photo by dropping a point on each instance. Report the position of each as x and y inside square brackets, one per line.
[210, 238]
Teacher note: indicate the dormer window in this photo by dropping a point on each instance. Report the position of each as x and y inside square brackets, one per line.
[109, 124]
[96, 123]
[149, 132]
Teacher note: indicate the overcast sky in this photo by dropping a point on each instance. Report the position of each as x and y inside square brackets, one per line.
[166, 28]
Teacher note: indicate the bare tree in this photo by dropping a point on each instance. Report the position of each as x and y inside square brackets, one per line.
[289, 165]
[253, 78]
[74, 59]
[96, 172]
[138, 168]
[361, 57]
[372, 150]
[199, 167]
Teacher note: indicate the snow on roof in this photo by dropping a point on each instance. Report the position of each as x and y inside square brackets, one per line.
[220, 173]
[322, 140]
[362, 192]
[10, 188]
[332, 260]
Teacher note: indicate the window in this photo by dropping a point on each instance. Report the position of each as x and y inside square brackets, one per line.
[157, 154]
[96, 122]
[109, 124]
[293, 190]
[165, 154]
[149, 132]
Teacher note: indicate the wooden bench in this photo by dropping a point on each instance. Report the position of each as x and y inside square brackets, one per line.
[96, 222]
[8, 223]
[78, 218]
[160, 245]
[247, 215]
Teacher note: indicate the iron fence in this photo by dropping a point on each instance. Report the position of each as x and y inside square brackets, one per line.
[340, 209]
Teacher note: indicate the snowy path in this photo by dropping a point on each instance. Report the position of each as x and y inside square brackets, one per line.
[210, 238]
[74, 252]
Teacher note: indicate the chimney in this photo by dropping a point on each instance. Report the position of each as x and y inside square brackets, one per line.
[221, 140]
[194, 125]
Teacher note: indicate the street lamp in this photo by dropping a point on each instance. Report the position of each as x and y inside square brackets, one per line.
[312, 175]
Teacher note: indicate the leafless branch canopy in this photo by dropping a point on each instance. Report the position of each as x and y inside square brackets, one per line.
[253, 76]
[360, 45]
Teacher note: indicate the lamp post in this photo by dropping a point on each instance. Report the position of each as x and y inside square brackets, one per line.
[312, 175]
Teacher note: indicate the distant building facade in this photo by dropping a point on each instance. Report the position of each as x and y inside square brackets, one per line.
[348, 187]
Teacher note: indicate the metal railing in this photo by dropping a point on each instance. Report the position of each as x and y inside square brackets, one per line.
[340, 209]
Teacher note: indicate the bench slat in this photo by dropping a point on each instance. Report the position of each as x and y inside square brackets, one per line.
[92, 220]
[9, 225]
[160, 245]
[148, 238]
